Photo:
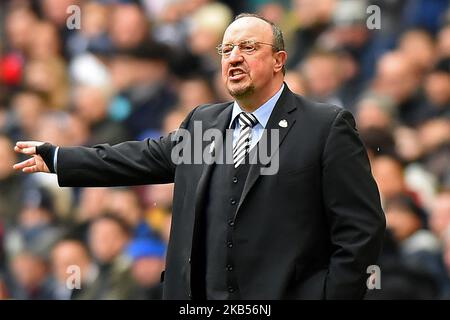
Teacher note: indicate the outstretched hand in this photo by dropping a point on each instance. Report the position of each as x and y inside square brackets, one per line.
[31, 165]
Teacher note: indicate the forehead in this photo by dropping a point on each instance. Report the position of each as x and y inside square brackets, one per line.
[248, 28]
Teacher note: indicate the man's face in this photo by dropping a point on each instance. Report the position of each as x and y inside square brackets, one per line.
[106, 240]
[396, 77]
[66, 254]
[244, 73]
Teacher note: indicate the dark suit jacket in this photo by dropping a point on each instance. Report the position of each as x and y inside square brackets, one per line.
[308, 232]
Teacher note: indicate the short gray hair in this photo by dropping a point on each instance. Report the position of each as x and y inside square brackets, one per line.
[278, 40]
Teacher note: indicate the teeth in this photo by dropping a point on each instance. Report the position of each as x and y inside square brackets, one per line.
[236, 72]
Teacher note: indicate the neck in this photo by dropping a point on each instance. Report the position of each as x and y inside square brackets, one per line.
[257, 99]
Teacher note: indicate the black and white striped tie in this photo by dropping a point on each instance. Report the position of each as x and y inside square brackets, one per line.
[246, 121]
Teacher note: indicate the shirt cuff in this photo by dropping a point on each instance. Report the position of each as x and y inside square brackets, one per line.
[55, 160]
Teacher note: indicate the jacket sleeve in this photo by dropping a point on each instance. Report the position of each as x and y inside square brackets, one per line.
[125, 164]
[356, 220]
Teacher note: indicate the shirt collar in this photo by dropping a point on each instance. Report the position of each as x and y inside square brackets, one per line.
[263, 113]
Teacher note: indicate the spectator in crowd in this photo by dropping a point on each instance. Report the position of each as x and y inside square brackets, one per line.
[419, 47]
[73, 270]
[418, 247]
[45, 42]
[443, 42]
[29, 279]
[440, 214]
[194, 91]
[434, 136]
[127, 205]
[437, 90]
[147, 257]
[18, 25]
[159, 207]
[55, 12]
[349, 31]
[398, 78]
[388, 172]
[375, 111]
[91, 105]
[295, 81]
[409, 225]
[140, 78]
[322, 74]
[27, 108]
[408, 144]
[400, 280]
[11, 185]
[49, 77]
[37, 228]
[108, 237]
[129, 28]
[207, 25]
[94, 33]
[313, 18]
[92, 203]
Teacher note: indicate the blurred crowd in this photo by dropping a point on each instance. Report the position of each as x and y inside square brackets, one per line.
[134, 69]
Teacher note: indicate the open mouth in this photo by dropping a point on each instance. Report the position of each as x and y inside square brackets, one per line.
[236, 74]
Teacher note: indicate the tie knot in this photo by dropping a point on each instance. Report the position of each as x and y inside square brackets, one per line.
[247, 120]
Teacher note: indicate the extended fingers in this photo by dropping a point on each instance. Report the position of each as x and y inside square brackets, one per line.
[26, 165]
[25, 150]
[31, 169]
[24, 144]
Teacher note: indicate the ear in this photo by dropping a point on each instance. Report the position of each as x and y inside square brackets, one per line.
[280, 58]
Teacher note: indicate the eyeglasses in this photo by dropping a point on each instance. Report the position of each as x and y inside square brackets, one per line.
[247, 46]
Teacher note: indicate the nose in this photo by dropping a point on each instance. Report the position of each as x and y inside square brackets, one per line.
[235, 56]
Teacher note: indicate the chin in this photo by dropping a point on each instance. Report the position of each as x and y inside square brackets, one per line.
[240, 91]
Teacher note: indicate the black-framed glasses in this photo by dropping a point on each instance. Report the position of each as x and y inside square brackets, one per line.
[247, 46]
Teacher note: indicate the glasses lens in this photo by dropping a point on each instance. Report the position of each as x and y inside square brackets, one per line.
[247, 46]
[244, 46]
[226, 49]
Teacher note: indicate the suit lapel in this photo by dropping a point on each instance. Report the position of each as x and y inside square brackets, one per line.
[282, 118]
[221, 122]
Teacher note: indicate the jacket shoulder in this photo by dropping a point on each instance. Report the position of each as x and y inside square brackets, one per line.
[210, 111]
[320, 118]
[323, 112]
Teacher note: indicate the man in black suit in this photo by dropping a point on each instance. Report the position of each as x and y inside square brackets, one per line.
[309, 231]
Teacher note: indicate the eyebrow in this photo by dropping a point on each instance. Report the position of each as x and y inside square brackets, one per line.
[249, 39]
